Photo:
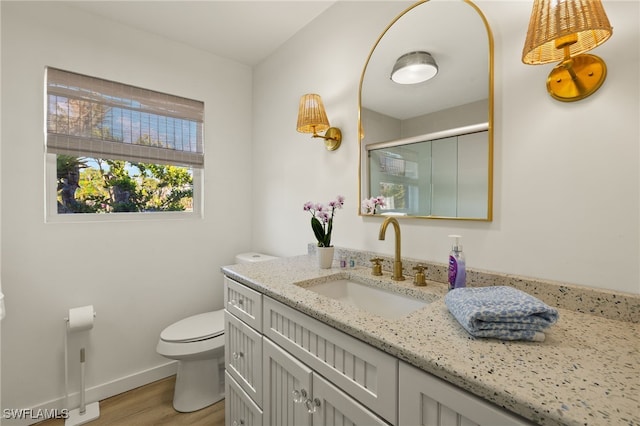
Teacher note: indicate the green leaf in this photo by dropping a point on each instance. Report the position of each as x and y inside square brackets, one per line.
[327, 238]
[318, 230]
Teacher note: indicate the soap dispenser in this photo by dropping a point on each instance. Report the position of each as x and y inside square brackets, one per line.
[457, 269]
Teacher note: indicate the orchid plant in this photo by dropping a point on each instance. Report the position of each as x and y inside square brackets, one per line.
[322, 219]
[370, 205]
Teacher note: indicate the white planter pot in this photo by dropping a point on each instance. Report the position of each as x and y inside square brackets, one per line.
[325, 257]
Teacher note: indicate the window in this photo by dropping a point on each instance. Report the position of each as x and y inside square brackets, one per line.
[395, 175]
[114, 148]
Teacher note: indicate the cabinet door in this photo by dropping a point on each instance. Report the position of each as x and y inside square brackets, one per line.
[426, 400]
[283, 374]
[238, 407]
[243, 356]
[336, 408]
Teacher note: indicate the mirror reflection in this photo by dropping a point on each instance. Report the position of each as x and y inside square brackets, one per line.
[443, 175]
[426, 148]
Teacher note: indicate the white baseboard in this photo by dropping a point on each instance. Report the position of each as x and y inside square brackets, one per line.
[115, 387]
[100, 392]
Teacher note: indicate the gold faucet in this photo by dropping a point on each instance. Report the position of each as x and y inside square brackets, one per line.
[397, 264]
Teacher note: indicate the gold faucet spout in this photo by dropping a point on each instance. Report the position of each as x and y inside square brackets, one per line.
[397, 264]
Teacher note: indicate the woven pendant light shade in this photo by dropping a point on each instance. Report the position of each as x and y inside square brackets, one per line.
[312, 117]
[579, 24]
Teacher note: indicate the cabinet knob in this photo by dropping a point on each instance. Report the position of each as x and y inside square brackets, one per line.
[312, 406]
[299, 396]
[238, 422]
[237, 355]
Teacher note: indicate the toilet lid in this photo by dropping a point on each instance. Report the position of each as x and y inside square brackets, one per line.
[197, 327]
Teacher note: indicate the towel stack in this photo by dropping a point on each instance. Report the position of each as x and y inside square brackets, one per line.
[500, 312]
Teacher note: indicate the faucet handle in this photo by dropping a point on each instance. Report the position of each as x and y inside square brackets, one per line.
[376, 269]
[420, 267]
[419, 279]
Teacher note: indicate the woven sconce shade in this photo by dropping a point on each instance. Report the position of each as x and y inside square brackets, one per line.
[579, 25]
[312, 117]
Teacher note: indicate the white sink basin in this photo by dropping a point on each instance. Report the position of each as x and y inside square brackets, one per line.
[371, 299]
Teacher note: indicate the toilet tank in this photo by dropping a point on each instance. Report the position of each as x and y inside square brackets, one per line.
[251, 257]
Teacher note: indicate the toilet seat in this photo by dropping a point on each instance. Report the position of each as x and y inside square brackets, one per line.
[195, 328]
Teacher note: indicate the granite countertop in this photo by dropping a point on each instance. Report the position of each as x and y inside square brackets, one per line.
[586, 372]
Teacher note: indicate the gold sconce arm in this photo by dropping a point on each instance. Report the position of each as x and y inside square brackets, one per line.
[332, 138]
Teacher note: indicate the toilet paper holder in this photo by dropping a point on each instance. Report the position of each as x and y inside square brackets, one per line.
[79, 319]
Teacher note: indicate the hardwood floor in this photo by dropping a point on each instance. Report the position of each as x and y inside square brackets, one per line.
[150, 405]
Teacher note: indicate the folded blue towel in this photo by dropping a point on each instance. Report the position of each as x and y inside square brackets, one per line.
[500, 312]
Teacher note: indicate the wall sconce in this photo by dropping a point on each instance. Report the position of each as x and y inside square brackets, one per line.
[562, 30]
[313, 119]
[414, 68]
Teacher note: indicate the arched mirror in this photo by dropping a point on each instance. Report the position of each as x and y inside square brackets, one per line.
[426, 149]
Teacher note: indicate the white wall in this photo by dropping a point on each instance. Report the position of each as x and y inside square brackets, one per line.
[140, 276]
[566, 200]
[0, 226]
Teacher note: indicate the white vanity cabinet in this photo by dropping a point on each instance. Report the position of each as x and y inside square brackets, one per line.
[426, 400]
[285, 368]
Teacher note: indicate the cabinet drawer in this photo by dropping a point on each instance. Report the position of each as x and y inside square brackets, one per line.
[243, 302]
[239, 408]
[362, 371]
[243, 356]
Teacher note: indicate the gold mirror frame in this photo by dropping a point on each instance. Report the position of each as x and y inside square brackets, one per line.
[490, 118]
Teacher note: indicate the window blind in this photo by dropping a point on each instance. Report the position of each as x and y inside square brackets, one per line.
[92, 117]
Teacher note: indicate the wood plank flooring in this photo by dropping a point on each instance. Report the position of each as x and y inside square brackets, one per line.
[150, 405]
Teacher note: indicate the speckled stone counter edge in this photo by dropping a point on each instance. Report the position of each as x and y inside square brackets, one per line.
[600, 302]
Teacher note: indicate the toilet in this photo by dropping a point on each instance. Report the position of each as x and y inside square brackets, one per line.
[197, 343]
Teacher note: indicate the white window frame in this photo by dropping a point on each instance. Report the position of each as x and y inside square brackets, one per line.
[51, 192]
